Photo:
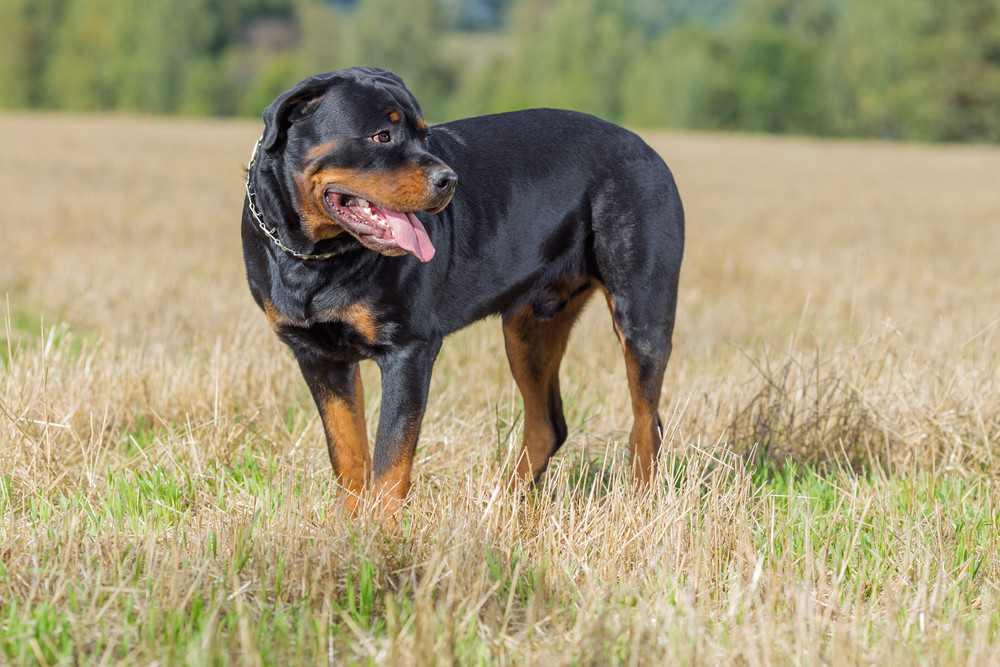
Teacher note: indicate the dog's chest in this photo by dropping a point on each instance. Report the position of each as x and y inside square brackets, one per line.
[345, 329]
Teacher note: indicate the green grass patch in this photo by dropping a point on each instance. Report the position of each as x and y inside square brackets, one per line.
[243, 594]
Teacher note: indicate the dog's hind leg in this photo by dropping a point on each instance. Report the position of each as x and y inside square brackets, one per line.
[535, 338]
[638, 224]
[645, 336]
[340, 397]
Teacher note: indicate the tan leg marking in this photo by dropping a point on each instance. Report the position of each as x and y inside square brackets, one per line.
[393, 484]
[645, 438]
[535, 350]
[347, 440]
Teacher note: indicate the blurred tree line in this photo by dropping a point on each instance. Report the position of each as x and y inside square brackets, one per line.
[910, 69]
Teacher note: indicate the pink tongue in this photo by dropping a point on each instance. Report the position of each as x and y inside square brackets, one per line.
[410, 235]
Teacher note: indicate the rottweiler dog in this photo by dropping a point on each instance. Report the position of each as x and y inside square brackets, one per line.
[369, 235]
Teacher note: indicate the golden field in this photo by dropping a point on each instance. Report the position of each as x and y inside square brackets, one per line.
[830, 488]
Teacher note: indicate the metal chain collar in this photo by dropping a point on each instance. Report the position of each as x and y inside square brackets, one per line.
[259, 217]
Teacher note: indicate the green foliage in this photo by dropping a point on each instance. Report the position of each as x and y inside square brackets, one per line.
[27, 34]
[774, 82]
[925, 70]
[161, 56]
[272, 80]
[573, 55]
[407, 39]
[679, 80]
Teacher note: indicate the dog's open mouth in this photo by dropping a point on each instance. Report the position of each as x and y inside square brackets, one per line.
[380, 228]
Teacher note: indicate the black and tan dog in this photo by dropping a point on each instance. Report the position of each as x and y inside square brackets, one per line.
[368, 235]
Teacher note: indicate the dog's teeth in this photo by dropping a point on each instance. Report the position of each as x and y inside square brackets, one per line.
[363, 202]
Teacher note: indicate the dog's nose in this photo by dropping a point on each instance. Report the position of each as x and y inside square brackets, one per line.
[443, 179]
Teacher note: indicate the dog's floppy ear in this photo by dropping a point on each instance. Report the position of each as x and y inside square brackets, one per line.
[279, 112]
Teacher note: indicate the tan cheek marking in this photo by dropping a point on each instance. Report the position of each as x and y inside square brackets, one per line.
[317, 222]
[403, 189]
[318, 151]
[400, 190]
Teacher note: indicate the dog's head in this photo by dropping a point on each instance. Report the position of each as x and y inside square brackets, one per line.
[353, 153]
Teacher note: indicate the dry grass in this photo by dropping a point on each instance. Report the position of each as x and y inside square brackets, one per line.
[165, 496]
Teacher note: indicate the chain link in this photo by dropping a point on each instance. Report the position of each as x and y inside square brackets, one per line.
[259, 217]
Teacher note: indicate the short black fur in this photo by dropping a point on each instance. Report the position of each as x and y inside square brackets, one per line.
[549, 207]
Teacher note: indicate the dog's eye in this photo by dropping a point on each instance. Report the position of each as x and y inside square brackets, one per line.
[427, 138]
[382, 137]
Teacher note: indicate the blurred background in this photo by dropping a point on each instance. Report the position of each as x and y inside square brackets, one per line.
[924, 70]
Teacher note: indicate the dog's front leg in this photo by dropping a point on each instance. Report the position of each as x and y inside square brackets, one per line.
[406, 377]
[338, 393]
